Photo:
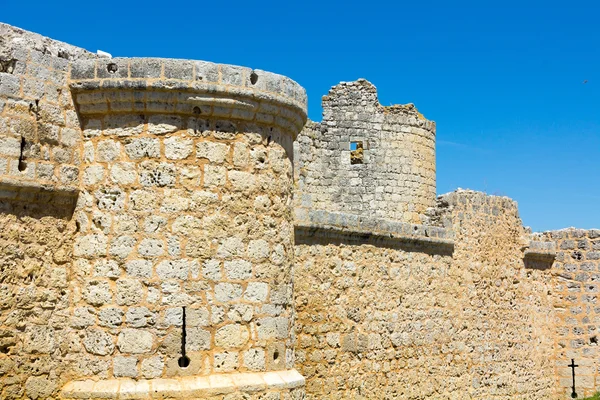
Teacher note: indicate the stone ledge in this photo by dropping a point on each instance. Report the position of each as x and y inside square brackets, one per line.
[185, 387]
[198, 88]
[541, 250]
[28, 191]
[361, 225]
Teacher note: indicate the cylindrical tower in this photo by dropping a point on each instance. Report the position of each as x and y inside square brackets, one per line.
[182, 277]
[367, 159]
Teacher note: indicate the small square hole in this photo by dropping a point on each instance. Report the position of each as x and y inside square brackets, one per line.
[356, 153]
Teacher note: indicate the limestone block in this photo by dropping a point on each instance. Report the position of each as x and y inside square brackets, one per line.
[256, 292]
[225, 362]
[135, 341]
[125, 367]
[139, 268]
[272, 328]
[232, 336]
[178, 148]
[97, 293]
[214, 152]
[143, 147]
[129, 291]
[254, 359]
[152, 367]
[110, 317]
[39, 339]
[238, 269]
[226, 292]
[197, 339]
[98, 342]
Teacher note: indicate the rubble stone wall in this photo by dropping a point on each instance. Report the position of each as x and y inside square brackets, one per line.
[40, 135]
[576, 310]
[40, 142]
[382, 318]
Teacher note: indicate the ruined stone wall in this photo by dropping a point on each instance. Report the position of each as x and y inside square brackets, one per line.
[577, 314]
[388, 316]
[390, 174]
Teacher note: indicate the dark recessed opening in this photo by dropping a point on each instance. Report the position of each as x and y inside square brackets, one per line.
[594, 340]
[112, 68]
[183, 362]
[356, 153]
[8, 66]
[253, 78]
[22, 164]
[197, 110]
[269, 140]
[275, 355]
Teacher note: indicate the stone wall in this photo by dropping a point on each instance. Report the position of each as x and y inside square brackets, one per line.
[183, 259]
[40, 135]
[146, 226]
[398, 316]
[136, 191]
[35, 260]
[39, 155]
[366, 159]
[577, 314]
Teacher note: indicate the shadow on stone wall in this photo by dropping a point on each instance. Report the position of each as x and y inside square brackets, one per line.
[307, 236]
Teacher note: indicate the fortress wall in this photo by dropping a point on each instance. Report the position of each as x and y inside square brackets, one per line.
[392, 177]
[39, 157]
[379, 318]
[40, 136]
[577, 312]
[184, 248]
[35, 259]
[506, 306]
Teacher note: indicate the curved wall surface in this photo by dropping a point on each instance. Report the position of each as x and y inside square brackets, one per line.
[184, 251]
[367, 159]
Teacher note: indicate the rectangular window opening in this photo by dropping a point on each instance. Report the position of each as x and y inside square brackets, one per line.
[356, 152]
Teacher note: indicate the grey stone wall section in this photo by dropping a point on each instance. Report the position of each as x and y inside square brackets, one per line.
[396, 179]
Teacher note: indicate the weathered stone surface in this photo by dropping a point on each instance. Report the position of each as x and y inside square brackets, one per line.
[185, 200]
[135, 341]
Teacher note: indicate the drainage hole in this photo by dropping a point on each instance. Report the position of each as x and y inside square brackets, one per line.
[112, 68]
[183, 362]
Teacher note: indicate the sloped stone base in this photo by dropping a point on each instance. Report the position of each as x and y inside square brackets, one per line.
[276, 384]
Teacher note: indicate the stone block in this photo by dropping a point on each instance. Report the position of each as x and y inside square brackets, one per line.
[125, 367]
[135, 341]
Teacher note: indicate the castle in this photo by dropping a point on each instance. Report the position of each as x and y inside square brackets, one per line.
[176, 229]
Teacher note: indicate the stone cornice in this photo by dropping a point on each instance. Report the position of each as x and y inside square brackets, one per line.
[313, 221]
[197, 88]
[541, 250]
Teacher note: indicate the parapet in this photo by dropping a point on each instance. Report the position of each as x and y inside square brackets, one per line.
[365, 158]
[194, 88]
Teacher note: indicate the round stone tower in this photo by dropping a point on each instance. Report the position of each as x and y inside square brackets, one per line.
[182, 277]
[367, 159]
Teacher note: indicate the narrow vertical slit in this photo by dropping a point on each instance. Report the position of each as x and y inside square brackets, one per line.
[22, 164]
[184, 361]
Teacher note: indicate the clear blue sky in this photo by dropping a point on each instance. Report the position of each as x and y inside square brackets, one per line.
[502, 79]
